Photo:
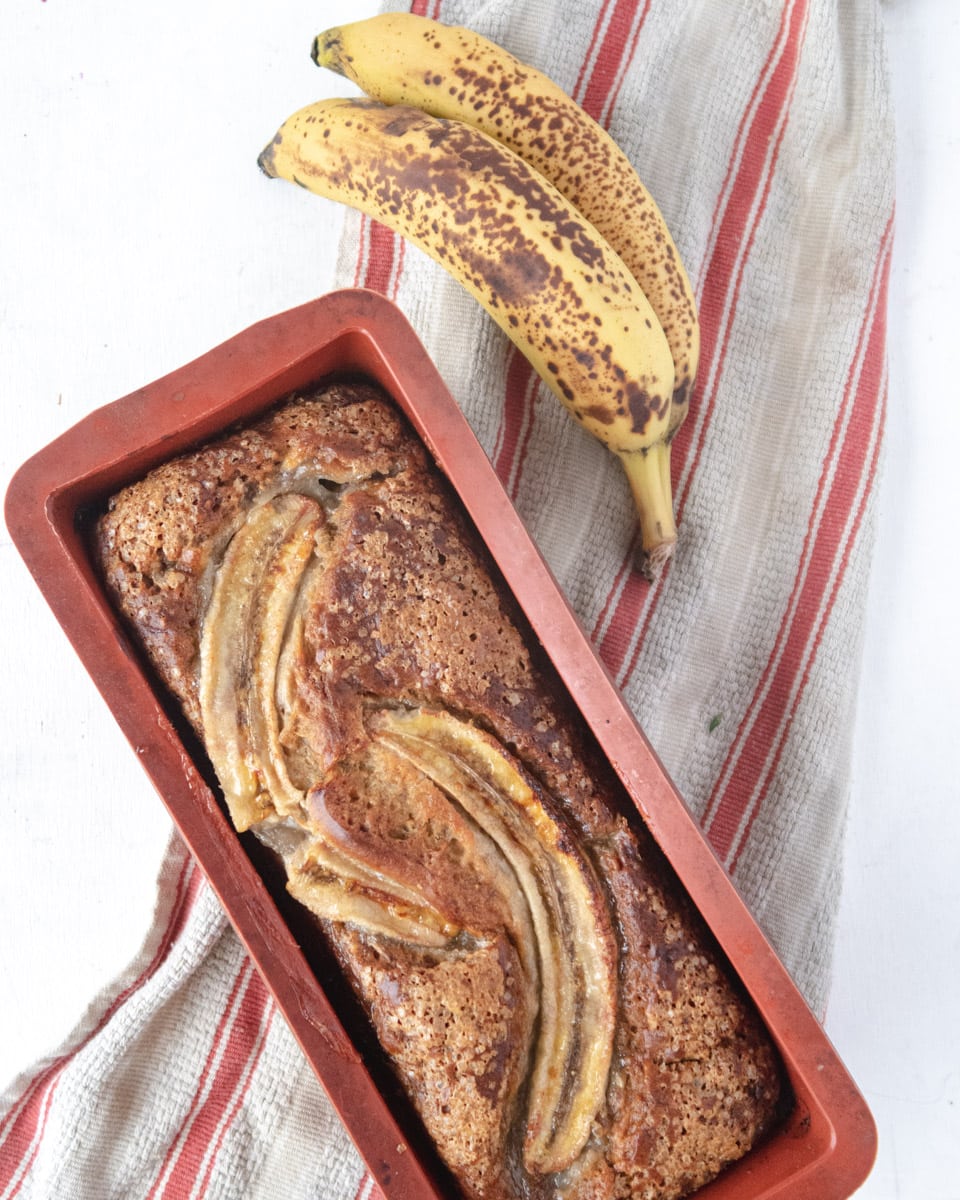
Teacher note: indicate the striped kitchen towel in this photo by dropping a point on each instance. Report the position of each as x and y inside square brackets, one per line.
[763, 129]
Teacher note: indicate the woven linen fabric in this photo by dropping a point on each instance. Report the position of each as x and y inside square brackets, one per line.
[763, 130]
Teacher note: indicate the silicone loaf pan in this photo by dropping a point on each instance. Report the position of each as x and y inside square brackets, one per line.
[824, 1147]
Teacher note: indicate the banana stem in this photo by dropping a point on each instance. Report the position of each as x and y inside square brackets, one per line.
[649, 474]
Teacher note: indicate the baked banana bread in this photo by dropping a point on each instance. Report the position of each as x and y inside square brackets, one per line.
[309, 590]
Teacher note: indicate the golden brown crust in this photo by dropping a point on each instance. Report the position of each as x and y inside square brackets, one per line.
[160, 537]
[401, 608]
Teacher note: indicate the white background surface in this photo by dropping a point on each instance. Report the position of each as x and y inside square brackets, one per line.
[137, 233]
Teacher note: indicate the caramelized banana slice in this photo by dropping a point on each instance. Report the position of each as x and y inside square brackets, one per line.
[248, 649]
[253, 595]
[369, 805]
[334, 886]
[575, 944]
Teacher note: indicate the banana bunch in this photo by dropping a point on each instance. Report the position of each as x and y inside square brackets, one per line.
[492, 170]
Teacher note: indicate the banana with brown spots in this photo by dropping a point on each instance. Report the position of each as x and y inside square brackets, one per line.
[452, 72]
[539, 268]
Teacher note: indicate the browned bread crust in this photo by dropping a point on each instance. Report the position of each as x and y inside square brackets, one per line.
[400, 614]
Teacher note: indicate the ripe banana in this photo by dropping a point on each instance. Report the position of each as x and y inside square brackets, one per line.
[544, 273]
[452, 72]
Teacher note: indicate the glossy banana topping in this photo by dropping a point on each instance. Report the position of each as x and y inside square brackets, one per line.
[575, 947]
[251, 612]
[548, 899]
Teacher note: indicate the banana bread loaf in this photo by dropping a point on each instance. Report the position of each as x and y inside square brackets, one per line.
[309, 590]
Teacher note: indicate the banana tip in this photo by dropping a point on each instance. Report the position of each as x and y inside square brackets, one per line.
[265, 161]
[326, 50]
[653, 561]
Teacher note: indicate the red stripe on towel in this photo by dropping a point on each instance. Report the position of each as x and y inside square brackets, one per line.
[625, 616]
[380, 258]
[600, 90]
[224, 1080]
[844, 487]
[22, 1129]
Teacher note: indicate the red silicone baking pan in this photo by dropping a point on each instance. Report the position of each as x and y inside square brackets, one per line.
[824, 1147]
